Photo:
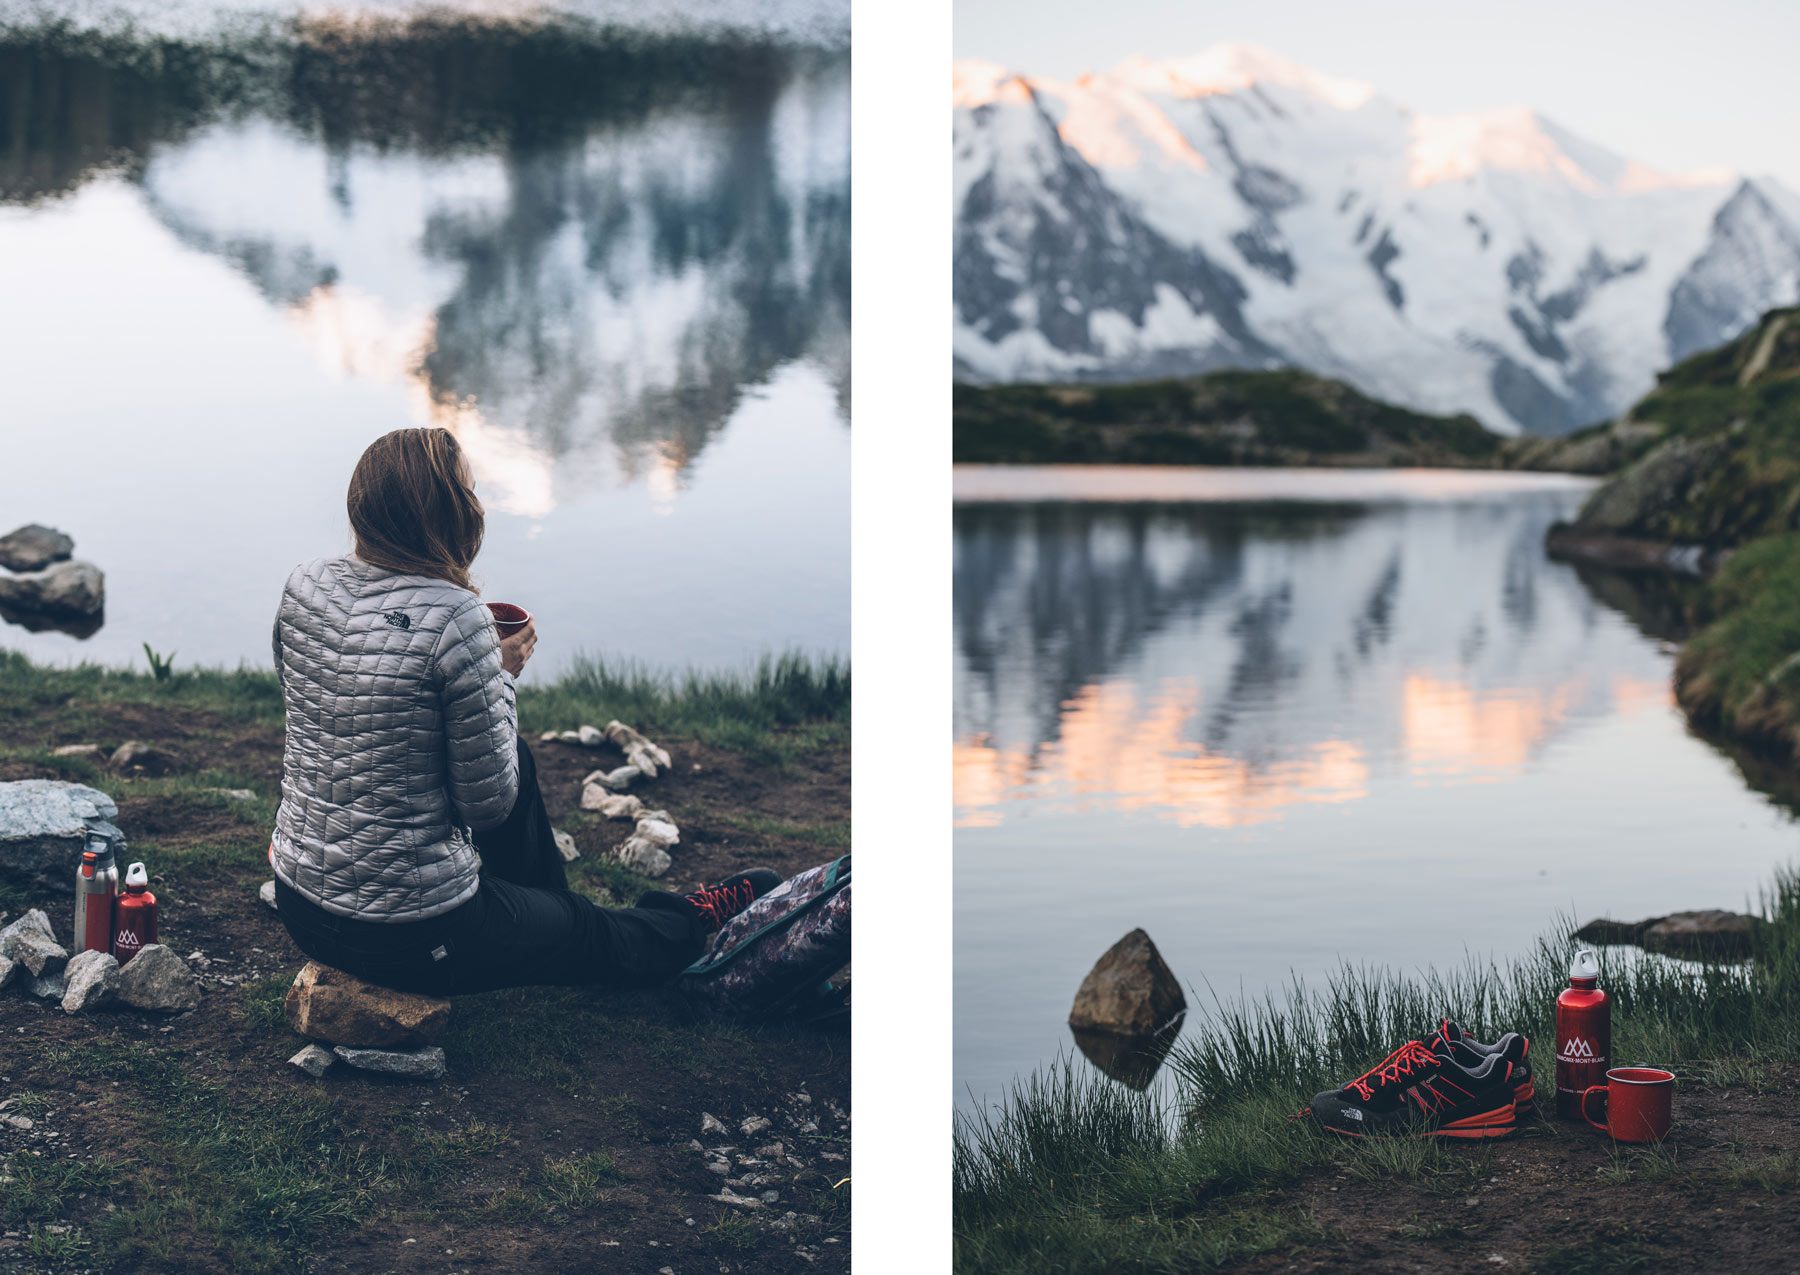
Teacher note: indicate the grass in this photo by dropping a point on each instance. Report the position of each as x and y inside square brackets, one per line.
[1075, 1173]
[1285, 416]
[1739, 674]
[781, 706]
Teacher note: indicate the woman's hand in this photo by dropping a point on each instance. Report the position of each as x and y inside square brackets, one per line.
[516, 649]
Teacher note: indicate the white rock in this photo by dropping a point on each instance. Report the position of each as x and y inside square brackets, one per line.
[267, 894]
[63, 588]
[49, 987]
[566, 844]
[314, 1060]
[36, 953]
[658, 831]
[9, 970]
[613, 805]
[76, 750]
[737, 1201]
[19, 1122]
[416, 1064]
[642, 856]
[35, 921]
[548, 737]
[710, 1123]
[590, 737]
[753, 1125]
[90, 981]
[615, 780]
[569, 736]
[639, 751]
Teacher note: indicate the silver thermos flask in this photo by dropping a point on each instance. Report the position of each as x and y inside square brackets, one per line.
[96, 894]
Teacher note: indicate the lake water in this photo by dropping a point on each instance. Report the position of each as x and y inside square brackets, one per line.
[1283, 719]
[614, 260]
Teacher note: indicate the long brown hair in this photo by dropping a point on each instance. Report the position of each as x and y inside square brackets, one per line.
[412, 507]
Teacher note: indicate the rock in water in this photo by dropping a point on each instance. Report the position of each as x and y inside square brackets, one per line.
[415, 1064]
[267, 894]
[313, 1060]
[158, 979]
[34, 547]
[1712, 933]
[1612, 933]
[43, 828]
[64, 588]
[328, 1004]
[1130, 991]
[90, 981]
[566, 844]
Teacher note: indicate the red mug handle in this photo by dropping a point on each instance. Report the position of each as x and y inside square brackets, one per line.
[1584, 1115]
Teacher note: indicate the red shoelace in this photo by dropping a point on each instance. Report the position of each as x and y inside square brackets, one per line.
[1389, 1071]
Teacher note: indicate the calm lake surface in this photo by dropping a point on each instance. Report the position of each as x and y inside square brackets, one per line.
[235, 248]
[1283, 719]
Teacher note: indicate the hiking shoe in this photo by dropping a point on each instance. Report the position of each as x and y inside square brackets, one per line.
[1416, 1093]
[717, 904]
[1452, 1039]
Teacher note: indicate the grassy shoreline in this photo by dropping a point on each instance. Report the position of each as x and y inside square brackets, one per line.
[1075, 1173]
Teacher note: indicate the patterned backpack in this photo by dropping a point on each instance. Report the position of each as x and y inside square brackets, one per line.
[778, 955]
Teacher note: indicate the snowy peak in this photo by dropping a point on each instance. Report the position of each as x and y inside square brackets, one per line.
[1237, 209]
[1238, 68]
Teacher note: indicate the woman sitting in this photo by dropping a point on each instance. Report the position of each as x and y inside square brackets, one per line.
[412, 847]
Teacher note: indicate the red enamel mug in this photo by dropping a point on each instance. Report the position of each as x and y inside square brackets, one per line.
[509, 619]
[1637, 1103]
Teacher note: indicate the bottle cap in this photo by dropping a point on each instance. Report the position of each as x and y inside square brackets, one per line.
[88, 860]
[1585, 965]
[136, 877]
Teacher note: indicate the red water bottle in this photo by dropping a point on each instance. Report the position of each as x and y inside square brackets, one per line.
[1583, 1034]
[136, 915]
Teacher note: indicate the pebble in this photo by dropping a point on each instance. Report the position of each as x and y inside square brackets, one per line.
[267, 893]
[753, 1125]
[710, 1123]
[314, 1060]
[416, 1064]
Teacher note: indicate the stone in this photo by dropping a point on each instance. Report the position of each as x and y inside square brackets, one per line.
[1133, 1061]
[1641, 498]
[771, 1197]
[313, 1060]
[330, 1005]
[566, 844]
[44, 825]
[49, 987]
[753, 1125]
[78, 750]
[156, 978]
[639, 752]
[36, 921]
[1612, 933]
[236, 794]
[90, 981]
[21, 1123]
[548, 737]
[590, 737]
[63, 588]
[660, 832]
[9, 970]
[710, 1123]
[612, 805]
[136, 757]
[727, 1196]
[1130, 991]
[266, 892]
[34, 547]
[643, 857]
[39, 955]
[612, 780]
[426, 1063]
[569, 736]
[1712, 933]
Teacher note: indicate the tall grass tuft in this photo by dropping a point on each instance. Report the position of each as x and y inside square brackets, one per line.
[1075, 1173]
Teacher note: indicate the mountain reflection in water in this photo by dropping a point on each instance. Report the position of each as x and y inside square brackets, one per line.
[614, 261]
[560, 240]
[1278, 734]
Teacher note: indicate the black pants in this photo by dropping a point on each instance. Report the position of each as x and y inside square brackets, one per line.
[523, 927]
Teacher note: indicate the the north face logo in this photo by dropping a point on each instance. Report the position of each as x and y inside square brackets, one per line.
[399, 619]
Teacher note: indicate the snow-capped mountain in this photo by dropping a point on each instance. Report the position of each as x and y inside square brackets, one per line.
[1236, 209]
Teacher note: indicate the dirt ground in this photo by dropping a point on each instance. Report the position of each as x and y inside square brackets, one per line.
[630, 1074]
[1722, 1194]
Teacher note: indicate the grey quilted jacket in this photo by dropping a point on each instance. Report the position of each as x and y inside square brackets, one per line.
[401, 739]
